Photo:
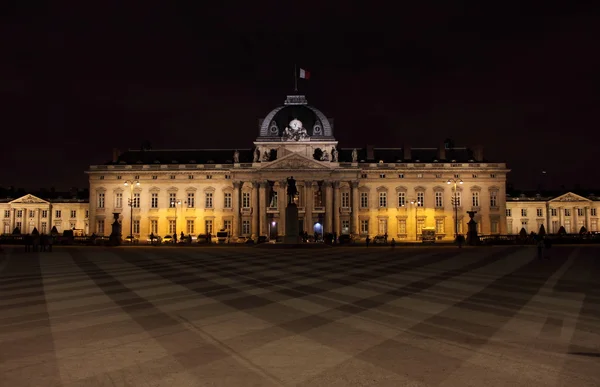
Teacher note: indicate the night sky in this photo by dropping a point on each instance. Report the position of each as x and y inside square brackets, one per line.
[519, 79]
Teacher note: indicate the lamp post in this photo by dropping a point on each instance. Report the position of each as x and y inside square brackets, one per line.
[416, 203]
[131, 184]
[455, 204]
[174, 203]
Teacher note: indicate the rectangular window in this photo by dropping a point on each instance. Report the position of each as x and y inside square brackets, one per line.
[137, 177]
[345, 226]
[580, 212]
[494, 199]
[553, 212]
[245, 227]
[136, 226]
[227, 200]
[401, 199]
[593, 212]
[245, 199]
[154, 177]
[73, 213]
[420, 226]
[31, 213]
[19, 213]
[401, 176]
[594, 225]
[227, 225]
[191, 177]
[439, 199]
[101, 200]
[7, 213]
[119, 200]
[439, 226]
[45, 213]
[209, 200]
[154, 200]
[57, 213]
[420, 199]
[567, 212]
[475, 196]
[568, 226]
[554, 226]
[456, 176]
[100, 227]
[382, 199]
[190, 226]
[172, 199]
[474, 176]
[172, 177]
[364, 200]
[456, 197]
[172, 227]
[382, 227]
[345, 199]
[19, 225]
[523, 212]
[87, 214]
[208, 226]
[493, 175]
[364, 226]
[419, 175]
[44, 228]
[402, 226]
[508, 212]
[494, 229]
[209, 176]
[382, 175]
[136, 200]
[191, 200]
[539, 212]
[154, 226]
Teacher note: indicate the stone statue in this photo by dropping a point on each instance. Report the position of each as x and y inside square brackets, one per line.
[292, 191]
[334, 154]
[295, 131]
[236, 156]
[325, 156]
[256, 155]
[266, 156]
[354, 155]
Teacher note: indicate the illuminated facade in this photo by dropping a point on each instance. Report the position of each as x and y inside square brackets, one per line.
[372, 191]
[29, 212]
[569, 210]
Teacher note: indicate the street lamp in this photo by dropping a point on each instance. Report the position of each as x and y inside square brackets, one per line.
[455, 203]
[131, 184]
[174, 203]
[416, 203]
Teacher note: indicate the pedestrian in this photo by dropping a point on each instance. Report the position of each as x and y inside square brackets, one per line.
[393, 243]
[367, 241]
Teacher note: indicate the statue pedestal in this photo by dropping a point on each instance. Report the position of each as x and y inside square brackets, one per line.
[292, 232]
[472, 237]
[115, 235]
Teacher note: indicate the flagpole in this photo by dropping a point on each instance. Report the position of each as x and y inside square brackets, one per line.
[295, 78]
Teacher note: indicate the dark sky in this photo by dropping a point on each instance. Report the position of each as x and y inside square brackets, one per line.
[520, 79]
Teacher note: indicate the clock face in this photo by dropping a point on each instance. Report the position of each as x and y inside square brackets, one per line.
[295, 124]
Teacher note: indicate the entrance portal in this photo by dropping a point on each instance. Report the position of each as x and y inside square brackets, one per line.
[273, 230]
[318, 231]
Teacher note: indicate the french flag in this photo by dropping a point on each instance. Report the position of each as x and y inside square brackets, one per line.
[304, 74]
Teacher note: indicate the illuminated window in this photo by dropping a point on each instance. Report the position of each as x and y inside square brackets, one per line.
[227, 200]
[118, 200]
[208, 226]
[172, 227]
[191, 200]
[420, 199]
[401, 199]
[101, 200]
[190, 226]
[382, 199]
[172, 200]
[364, 226]
[245, 227]
[154, 226]
[136, 226]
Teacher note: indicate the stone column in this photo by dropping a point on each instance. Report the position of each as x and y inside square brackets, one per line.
[587, 218]
[336, 208]
[574, 220]
[255, 208]
[281, 205]
[355, 203]
[262, 205]
[235, 203]
[561, 217]
[328, 207]
[308, 206]
[24, 222]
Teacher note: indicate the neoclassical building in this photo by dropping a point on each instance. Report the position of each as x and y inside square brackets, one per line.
[371, 191]
[568, 210]
[29, 212]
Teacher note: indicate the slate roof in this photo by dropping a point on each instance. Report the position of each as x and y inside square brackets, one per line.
[545, 195]
[393, 155]
[183, 156]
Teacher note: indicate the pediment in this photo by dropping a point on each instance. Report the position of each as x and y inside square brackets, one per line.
[296, 161]
[570, 197]
[29, 199]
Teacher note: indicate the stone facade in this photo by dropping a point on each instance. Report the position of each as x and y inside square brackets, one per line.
[343, 191]
[569, 210]
[29, 212]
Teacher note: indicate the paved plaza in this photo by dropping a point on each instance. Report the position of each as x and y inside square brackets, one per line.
[244, 316]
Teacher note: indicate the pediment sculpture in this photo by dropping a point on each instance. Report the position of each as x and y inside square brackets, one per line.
[296, 163]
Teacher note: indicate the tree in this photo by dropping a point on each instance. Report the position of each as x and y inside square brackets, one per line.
[583, 230]
[54, 231]
[16, 231]
[523, 233]
[562, 231]
[542, 231]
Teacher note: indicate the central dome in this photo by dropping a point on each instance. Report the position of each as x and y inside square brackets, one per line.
[295, 121]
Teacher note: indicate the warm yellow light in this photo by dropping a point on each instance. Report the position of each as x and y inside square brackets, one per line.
[448, 182]
[460, 182]
[126, 184]
[138, 183]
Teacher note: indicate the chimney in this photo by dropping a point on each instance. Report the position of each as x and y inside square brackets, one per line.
[478, 153]
[116, 154]
[407, 154]
[370, 153]
[442, 151]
